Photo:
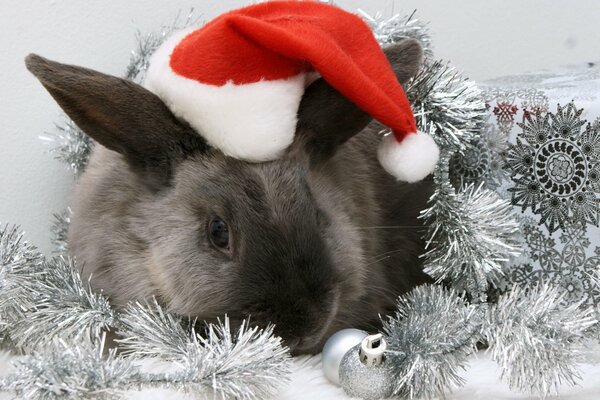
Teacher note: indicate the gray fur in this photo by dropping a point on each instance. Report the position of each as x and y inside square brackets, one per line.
[323, 239]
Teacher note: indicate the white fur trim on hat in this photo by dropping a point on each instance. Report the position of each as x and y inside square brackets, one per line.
[410, 160]
[254, 122]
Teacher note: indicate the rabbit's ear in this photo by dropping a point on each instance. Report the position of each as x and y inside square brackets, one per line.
[120, 115]
[327, 119]
[406, 58]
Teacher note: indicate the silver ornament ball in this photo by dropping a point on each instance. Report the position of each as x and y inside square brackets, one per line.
[363, 381]
[334, 350]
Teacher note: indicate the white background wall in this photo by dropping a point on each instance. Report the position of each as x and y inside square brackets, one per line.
[484, 38]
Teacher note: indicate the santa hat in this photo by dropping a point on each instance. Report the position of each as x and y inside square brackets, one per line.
[239, 79]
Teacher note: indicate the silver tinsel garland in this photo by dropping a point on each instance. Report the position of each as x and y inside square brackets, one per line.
[397, 27]
[50, 314]
[71, 145]
[530, 334]
[15, 255]
[427, 352]
[472, 233]
[535, 338]
[245, 364]
[48, 311]
[59, 230]
[62, 370]
[54, 304]
[447, 105]
[472, 230]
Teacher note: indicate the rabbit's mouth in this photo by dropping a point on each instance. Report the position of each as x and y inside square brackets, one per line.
[313, 342]
[310, 343]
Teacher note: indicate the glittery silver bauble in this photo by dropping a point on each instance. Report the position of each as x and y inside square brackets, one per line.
[335, 348]
[366, 376]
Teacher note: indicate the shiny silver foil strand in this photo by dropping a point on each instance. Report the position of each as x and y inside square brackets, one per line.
[42, 300]
[59, 231]
[147, 44]
[65, 371]
[446, 105]
[56, 305]
[15, 255]
[70, 145]
[429, 340]
[45, 304]
[470, 236]
[536, 339]
[389, 30]
[533, 336]
[244, 363]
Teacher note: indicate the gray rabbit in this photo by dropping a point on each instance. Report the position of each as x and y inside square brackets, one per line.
[316, 241]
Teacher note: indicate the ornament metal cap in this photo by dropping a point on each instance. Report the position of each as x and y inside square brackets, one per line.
[371, 350]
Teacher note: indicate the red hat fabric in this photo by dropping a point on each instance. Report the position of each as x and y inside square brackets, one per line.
[239, 80]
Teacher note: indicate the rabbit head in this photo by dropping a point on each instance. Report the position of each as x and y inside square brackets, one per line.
[159, 212]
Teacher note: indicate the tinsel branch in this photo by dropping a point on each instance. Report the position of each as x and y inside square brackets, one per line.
[148, 43]
[398, 27]
[446, 105]
[248, 363]
[62, 370]
[15, 255]
[429, 339]
[49, 302]
[70, 145]
[531, 334]
[42, 300]
[224, 365]
[536, 338]
[471, 234]
[60, 229]
[47, 309]
[148, 331]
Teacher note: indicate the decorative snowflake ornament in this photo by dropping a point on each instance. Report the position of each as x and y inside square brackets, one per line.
[568, 264]
[482, 161]
[555, 165]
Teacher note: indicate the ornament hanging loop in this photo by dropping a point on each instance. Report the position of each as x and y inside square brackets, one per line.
[371, 350]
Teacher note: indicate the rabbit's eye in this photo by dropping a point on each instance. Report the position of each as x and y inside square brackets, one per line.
[218, 233]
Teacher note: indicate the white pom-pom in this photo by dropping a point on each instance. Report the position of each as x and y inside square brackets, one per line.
[410, 160]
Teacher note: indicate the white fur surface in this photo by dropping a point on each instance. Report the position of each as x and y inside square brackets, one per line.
[482, 382]
[254, 122]
[410, 160]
